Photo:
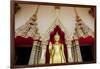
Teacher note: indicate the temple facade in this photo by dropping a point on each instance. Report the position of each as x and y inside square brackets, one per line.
[37, 25]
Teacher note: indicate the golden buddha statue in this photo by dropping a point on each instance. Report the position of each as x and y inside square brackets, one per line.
[56, 51]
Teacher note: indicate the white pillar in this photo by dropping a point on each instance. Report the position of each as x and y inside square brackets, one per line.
[78, 52]
[35, 53]
[44, 45]
[31, 60]
[70, 58]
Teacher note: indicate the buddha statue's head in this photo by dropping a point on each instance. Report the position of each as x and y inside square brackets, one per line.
[57, 37]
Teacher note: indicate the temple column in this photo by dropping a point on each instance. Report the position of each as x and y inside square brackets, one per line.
[76, 50]
[69, 49]
[31, 60]
[35, 53]
[42, 60]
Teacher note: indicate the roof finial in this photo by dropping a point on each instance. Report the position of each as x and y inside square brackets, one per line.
[34, 17]
[57, 7]
[75, 11]
[38, 6]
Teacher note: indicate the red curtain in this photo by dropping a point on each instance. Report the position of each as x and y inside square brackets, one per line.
[21, 41]
[58, 30]
[87, 40]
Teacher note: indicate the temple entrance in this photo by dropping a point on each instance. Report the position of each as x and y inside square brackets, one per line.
[56, 50]
[22, 55]
[23, 47]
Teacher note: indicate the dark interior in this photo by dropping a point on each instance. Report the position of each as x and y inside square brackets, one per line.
[22, 55]
[87, 53]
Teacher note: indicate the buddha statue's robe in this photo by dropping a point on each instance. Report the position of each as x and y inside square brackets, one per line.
[56, 53]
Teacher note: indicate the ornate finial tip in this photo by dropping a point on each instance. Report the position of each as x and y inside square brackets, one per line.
[57, 7]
